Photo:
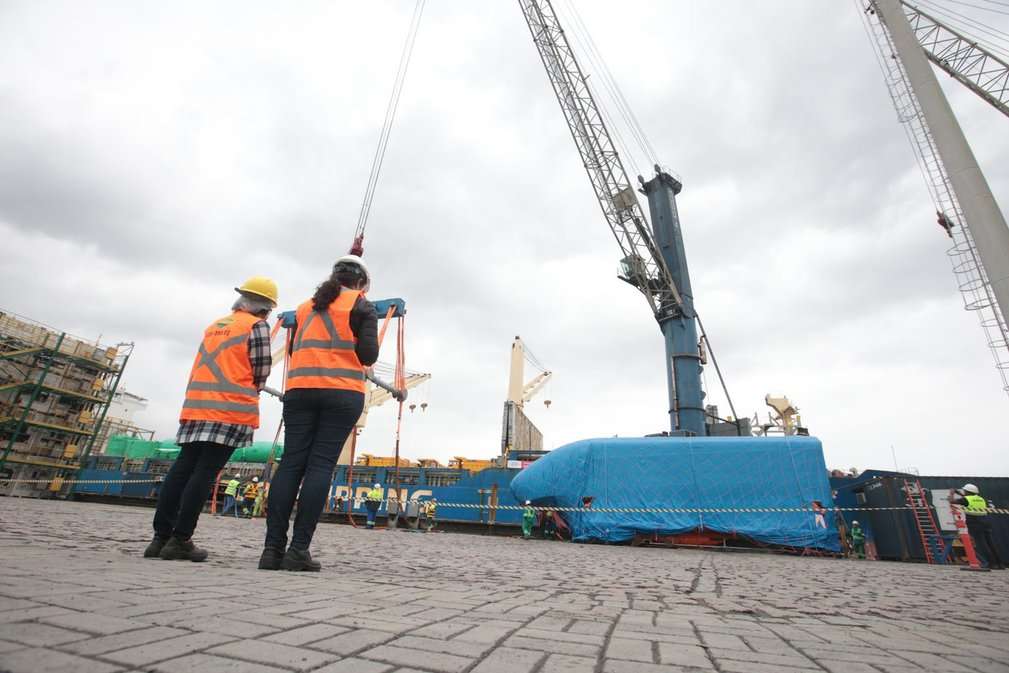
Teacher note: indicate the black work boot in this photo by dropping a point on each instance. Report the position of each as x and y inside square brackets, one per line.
[182, 550]
[154, 548]
[271, 559]
[300, 559]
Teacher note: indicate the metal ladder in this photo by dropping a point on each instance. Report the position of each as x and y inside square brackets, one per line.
[931, 537]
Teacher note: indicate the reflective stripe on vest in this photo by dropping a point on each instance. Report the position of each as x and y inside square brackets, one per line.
[323, 350]
[220, 385]
[976, 505]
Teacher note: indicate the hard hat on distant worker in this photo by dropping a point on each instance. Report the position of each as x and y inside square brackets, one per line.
[970, 488]
[255, 480]
[378, 485]
[238, 476]
[529, 502]
[261, 286]
[854, 523]
[352, 272]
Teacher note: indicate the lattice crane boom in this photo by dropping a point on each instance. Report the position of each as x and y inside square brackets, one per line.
[962, 58]
[642, 263]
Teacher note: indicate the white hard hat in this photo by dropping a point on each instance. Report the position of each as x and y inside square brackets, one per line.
[358, 262]
[238, 476]
[854, 523]
[529, 502]
[378, 485]
[971, 488]
[255, 479]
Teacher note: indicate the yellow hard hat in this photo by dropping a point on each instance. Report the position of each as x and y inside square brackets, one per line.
[260, 286]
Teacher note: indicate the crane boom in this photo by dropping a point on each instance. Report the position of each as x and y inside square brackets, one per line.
[962, 58]
[653, 258]
[642, 264]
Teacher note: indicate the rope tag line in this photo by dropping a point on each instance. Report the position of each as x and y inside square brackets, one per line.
[583, 510]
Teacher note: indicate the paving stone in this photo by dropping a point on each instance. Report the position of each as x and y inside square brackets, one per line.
[93, 623]
[354, 665]
[725, 641]
[732, 666]
[684, 655]
[633, 650]
[847, 666]
[509, 660]
[553, 646]
[486, 633]
[306, 634]
[7, 646]
[436, 661]
[43, 635]
[276, 654]
[206, 663]
[458, 647]
[353, 641]
[119, 641]
[33, 613]
[51, 661]
[620, 666]
[564, 663]
[167, 649]
[795, 660]
[230, 627]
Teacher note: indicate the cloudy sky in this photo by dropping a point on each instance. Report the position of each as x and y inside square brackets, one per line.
[153, 155]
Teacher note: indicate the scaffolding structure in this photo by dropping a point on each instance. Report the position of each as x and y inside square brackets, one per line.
[55, 391]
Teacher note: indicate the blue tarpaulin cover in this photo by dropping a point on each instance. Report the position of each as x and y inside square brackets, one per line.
[688, 472]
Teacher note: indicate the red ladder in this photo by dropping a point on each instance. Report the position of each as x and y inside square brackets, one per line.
[931, 537]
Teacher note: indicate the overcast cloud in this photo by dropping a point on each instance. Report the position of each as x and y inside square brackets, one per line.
[153, 155]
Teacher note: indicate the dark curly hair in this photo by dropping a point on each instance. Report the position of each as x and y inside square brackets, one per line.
[326, 293]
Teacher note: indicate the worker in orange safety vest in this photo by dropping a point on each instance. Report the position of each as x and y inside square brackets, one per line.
[219, 414]
[334, 342]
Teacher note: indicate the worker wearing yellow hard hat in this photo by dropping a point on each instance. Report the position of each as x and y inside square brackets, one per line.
[260, 286]
[219, 414]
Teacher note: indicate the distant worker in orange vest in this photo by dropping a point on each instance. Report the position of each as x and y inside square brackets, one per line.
[333, 344]
[220, 413]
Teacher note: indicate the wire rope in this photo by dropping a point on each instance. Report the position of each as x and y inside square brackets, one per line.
[968, 25]
[981, 7]
[594, 55]
[405, 57]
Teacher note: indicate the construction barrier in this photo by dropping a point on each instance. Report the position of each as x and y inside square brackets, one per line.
[539, 508]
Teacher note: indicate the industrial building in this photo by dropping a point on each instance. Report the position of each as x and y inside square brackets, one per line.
[55, 392]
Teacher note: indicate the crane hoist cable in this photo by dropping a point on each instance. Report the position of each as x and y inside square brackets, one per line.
[357, 248]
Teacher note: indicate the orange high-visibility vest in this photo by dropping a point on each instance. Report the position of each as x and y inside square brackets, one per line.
[220, 384]
[323, 355]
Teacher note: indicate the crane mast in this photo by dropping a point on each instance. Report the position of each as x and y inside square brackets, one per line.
[906, 40]
[652, 259]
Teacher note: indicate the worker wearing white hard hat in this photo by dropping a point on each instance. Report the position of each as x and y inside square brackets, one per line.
[857, 538]
[219, 414]
[975, 509]
[333, 341]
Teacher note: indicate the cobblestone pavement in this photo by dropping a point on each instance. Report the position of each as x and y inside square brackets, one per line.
[76, 595]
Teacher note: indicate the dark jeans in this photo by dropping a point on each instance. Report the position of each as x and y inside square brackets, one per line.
[186, 487]
[317, 422]
[980, 530]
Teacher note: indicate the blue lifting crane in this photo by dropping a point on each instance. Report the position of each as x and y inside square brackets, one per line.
[653, 257]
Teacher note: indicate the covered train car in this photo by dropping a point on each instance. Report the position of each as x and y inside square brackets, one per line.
[770, 490]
